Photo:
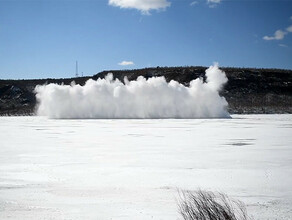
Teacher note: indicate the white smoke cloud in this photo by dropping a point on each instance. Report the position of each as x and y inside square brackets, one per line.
[142, 5]
[152, 98]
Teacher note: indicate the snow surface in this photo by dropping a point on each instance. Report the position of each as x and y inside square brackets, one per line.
[132, 169]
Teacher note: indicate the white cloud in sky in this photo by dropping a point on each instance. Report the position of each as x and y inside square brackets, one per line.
[194, 3]
[278, 35]
[283, 45]
[126, 63]
[142, 5]
[289, 29]
[213, 3]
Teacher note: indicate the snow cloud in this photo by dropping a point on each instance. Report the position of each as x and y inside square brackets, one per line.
[126, 63]
[141, 98]
[142, 5]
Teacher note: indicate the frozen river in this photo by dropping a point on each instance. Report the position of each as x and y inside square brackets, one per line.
[132, 169]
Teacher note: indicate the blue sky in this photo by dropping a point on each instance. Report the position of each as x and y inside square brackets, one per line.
[44, 38]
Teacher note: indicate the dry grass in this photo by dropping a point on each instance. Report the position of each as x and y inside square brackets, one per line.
[205, 205]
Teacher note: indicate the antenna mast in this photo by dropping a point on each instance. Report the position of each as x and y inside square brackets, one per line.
[76, 68]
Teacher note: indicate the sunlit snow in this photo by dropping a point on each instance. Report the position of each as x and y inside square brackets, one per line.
[132, 169]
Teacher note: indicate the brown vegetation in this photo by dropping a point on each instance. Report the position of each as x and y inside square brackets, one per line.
[205, 205]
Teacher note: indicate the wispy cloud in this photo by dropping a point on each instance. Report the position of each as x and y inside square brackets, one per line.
[126, 63]
[283, 45]
[145, 6]
[213, 3]
[194, 3]
[278, 35]
[289, 29]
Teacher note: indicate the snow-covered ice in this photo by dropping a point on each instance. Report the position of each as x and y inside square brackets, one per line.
[132, 169]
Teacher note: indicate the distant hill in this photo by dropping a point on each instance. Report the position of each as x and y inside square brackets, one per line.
[248, 90]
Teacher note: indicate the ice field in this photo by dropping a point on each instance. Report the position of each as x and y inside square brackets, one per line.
[133, 169]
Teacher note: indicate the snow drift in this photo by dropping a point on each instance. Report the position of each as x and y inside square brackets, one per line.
[151, 98]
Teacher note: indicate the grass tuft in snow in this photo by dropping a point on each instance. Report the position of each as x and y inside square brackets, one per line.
[206, 205]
